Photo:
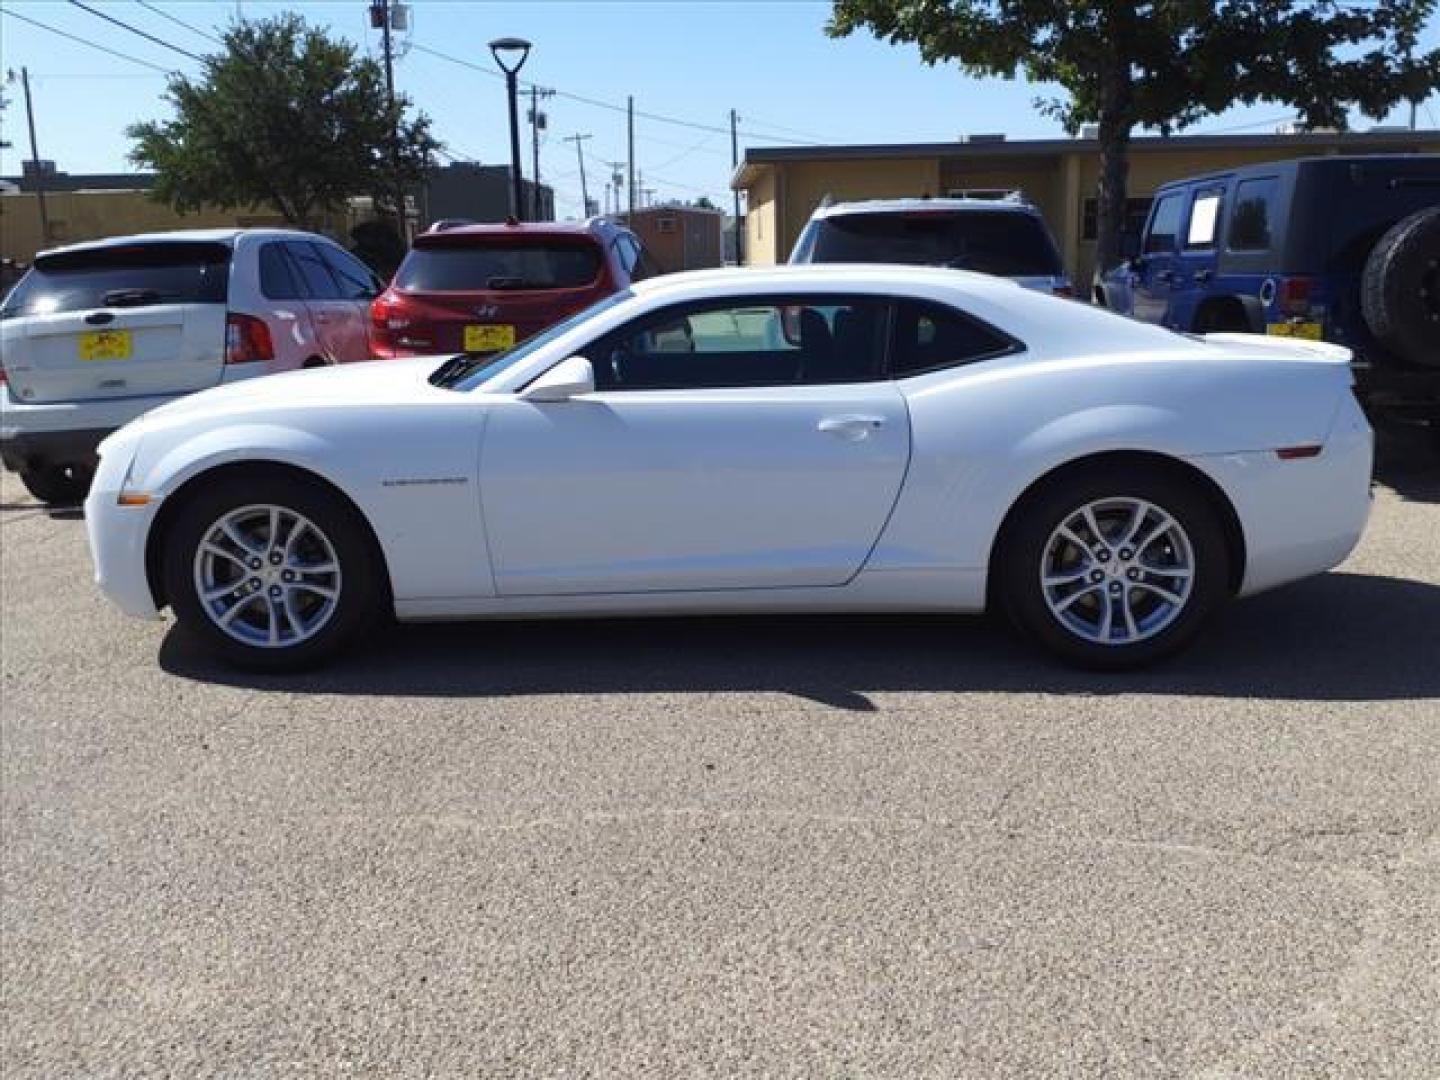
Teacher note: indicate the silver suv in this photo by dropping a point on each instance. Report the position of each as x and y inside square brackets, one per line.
[97, 333]
[1006, 237]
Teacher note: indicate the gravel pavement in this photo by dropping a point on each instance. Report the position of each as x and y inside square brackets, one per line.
[891, 847]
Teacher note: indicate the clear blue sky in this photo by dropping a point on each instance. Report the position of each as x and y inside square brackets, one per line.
[694, 60]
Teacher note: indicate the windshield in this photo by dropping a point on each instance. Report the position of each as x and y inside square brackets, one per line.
[122, 276]
[991, 241]
[539, 264]
[467, 372]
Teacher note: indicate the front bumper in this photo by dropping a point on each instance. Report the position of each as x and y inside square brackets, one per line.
[118, 536]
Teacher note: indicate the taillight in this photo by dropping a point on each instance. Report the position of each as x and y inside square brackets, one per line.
[1294, 296]
[394, 329]
[247, 340]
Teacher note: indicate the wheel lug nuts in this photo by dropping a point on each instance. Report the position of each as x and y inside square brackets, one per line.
[275, 557]
[1096, 576]
[255, 564]
[1114, 586]
[1127, 554]
[288, 575]
[1133, 574]
[1102, 555]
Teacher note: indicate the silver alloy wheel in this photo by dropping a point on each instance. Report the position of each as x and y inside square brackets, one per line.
[1117, 571]
[267, 576]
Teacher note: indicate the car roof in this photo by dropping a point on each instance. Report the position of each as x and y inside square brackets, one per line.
[865, 277]
[592, 228]
[1288, 165]
[1009, 204]
[193, 236]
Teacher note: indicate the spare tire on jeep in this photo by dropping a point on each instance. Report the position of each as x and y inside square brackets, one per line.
[1400, 292]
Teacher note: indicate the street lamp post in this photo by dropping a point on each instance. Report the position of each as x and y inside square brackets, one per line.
[500, 48]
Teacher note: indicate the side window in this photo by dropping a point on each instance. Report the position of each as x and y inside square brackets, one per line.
[313, 271]
[1254, 211]
[1204, 213]
[277, 278]
[1164, 223]
[759, 342]
[929, 337]
[355, 278]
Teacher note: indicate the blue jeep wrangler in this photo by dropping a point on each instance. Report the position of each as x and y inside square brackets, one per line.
[1342, 249]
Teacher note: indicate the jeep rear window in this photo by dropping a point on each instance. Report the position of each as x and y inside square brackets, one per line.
[128, 275]
[540, 264]
[990, 241]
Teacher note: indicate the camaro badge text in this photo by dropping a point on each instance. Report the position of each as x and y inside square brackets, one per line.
[415, 481]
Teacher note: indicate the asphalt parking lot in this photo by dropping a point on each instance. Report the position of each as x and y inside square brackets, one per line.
[760, 847]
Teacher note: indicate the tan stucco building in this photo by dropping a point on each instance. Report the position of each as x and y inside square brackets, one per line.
[783, 186]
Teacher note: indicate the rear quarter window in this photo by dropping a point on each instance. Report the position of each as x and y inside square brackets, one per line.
[542, 264]
[129, 275]
[1253, 217]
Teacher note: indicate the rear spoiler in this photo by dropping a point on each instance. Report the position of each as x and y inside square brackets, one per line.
[1284, 346]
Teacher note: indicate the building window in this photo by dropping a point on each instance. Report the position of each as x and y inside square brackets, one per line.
[665, 225]
[1136, 211]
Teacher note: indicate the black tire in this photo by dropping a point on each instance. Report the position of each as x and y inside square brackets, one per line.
[59, 485]
[360, 583]
[1400, 290]
[1026, 549]
[1222, 317]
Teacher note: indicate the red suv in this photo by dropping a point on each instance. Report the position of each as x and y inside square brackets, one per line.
[482, 288]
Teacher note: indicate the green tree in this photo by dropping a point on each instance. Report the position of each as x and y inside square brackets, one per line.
[1167, 63]
[287, 116]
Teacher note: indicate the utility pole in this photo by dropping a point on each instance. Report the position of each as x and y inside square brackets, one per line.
[577, 139]
[617, 181]
[381, 18]
[630, 151]
[538, 122]
[35, 157]
[735, 164]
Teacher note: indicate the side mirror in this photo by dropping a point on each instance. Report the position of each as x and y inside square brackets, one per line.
[562, 382]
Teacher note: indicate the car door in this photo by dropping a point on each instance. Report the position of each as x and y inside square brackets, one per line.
[1194, 262]
[1154, 269]
[358, 286]
[329, 310]
[713, 454]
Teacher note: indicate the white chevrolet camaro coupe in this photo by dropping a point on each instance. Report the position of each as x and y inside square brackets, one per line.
[797, 439]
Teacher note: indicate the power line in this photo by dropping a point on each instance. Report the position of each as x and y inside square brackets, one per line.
[658, 118]
[179, 22]
[139, 33]
[84, 41]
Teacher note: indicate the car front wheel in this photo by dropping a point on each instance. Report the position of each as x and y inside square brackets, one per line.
[1115, 571]
[271, 573]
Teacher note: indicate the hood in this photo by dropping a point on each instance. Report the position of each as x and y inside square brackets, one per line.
[372, 382]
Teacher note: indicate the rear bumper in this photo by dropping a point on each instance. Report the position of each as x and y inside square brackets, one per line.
[1300, 517]
[65, 432]
[62, 432]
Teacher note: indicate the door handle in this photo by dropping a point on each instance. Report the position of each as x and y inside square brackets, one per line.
[851, 428]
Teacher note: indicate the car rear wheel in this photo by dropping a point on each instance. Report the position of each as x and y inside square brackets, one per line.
[1114, 571]
[272, 573]
[59, 485]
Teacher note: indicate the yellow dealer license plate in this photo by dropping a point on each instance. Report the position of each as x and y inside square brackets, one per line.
[1310, 331]
[105, 345]
[488, 338]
